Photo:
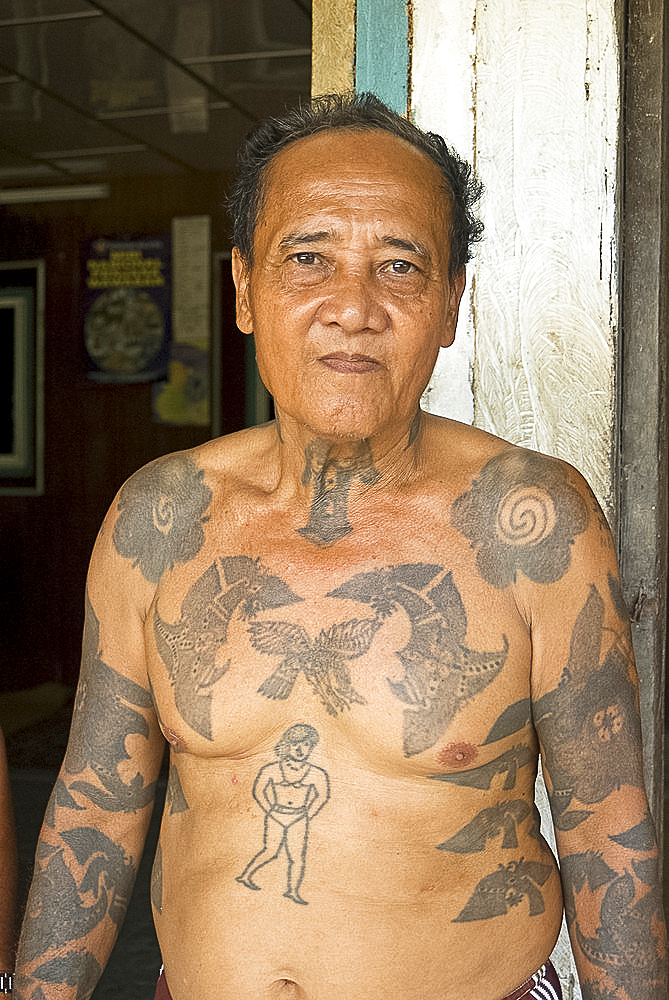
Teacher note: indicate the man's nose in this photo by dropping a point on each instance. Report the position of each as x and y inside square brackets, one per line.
[354, 303]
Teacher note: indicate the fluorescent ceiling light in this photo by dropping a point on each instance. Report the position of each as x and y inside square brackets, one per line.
[73, 192]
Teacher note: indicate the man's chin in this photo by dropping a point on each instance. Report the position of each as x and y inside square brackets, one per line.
[347, 425]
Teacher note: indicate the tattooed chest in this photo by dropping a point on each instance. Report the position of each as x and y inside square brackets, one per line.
[392, 640]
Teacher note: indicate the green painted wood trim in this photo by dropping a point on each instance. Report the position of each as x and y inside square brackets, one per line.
[382, 50]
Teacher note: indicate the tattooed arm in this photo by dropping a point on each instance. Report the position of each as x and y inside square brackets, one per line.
[535, 526]
[585, 707]
[93, 832]
[96, 822]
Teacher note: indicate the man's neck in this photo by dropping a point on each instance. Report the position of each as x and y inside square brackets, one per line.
[334, 472]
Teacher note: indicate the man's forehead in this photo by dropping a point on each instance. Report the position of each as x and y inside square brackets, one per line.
[343, 166]
[331, 152]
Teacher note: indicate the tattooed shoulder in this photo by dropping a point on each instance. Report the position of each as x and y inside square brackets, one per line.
[161, 511]
[521, 514]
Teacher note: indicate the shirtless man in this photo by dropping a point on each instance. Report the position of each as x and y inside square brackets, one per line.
[437, 605]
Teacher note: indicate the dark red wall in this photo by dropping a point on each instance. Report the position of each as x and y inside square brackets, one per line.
[95, 435]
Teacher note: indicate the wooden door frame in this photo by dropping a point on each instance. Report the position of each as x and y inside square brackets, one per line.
[640, 467]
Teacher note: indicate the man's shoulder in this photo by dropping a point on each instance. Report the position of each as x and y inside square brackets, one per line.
[480, 454]
[192, 472]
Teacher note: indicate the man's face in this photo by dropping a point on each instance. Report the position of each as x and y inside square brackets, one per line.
[349, 296]
[299, 750]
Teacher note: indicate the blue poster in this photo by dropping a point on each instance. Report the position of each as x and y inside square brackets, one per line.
[127, 309]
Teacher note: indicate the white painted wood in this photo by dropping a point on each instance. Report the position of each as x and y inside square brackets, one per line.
[531, 91]
[547, 110]
[442, 76]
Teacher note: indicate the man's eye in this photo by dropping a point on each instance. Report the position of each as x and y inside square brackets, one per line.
[306, 257]
[402, 267]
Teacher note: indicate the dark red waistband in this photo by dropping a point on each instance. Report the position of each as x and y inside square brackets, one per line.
[545, 976]
[162, 992]
[549, 976]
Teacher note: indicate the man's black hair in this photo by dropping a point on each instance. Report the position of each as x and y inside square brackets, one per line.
[355, 111]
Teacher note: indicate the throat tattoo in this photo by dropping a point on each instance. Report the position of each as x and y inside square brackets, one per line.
[331, 480]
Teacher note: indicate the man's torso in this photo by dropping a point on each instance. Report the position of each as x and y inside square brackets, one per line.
[423, 864]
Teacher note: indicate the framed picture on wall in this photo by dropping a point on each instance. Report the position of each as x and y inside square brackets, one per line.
[22, 377]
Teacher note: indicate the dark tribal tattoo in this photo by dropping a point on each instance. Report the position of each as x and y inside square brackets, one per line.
[512, 720]
[161, 513]
[482, 777]
[175, 800]
[58, 914]
[291, 792]
[60, 798]
[441, 674]
[105, 694]
[625, 941]
[322, 661]
[505, 888]
[622, 943]
[639, 838]
[502, 818]
[77, 968]
[232, 585]
[157, 880]
[331, 480]
[579, 871]
[521, 514]
[590, 721]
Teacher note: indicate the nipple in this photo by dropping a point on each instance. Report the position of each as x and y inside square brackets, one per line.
[457, 755]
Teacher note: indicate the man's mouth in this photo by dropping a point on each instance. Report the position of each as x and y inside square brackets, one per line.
[346, 364]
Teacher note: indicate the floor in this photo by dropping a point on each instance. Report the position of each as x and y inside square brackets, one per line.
[36, 725]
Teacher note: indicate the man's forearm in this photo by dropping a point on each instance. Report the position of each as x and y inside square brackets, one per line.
[80, 892]
[616, 925]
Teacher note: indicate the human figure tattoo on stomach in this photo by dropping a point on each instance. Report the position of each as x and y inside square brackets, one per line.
[291, 792]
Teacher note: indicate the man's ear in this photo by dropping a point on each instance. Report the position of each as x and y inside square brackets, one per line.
[240, 276]
[457, 287]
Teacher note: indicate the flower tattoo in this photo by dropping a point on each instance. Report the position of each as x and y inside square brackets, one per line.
[161, 513]
[521, 514]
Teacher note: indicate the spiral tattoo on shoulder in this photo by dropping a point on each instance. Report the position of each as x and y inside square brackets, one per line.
[521, 514]
[525, 516]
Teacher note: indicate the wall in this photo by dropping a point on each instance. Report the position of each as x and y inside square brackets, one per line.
[96, 435]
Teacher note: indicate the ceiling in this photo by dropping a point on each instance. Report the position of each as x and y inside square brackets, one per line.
[91, 91]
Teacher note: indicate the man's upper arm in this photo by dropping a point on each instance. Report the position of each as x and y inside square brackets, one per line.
[115, 745]
[585, 705]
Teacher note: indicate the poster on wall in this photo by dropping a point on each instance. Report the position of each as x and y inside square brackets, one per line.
[127, 309]
[185, 396]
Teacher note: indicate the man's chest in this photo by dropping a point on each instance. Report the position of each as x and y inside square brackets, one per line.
[405, 656]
